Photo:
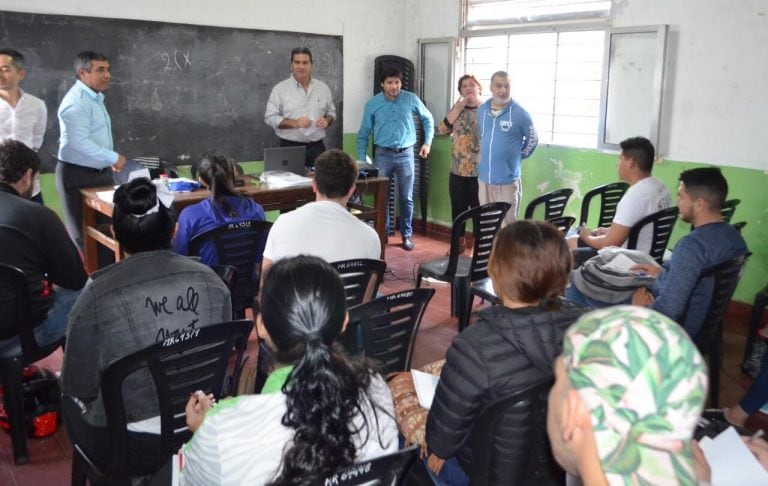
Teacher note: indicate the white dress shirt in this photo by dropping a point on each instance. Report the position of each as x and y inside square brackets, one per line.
[26, 122]
[289, 100]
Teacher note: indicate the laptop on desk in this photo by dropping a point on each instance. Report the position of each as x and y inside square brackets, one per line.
[289, 159]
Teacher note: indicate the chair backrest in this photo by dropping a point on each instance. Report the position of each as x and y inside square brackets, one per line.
[385, 470]
[554, 204]
[520, 421]
[361, 278]
[563, 223]
[486, 222]
[610, 195]
[663, 222]
[726, 277]
[739, 226]
[387, 326]
[227, 275]
[239, 245]
[179, 366]
[16, 311]
[729, 207]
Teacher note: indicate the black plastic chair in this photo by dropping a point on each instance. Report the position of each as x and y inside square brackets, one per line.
[361, 278]
[461, 270]
[385, 470]
[179, 366]
[663, 222]
[16, 321]
[739, 226]
[385, 328]
[238, 245]
[227, 275]
[554, 204]
[710, 339]
[520, 422]
[563, 223]
[610, 195]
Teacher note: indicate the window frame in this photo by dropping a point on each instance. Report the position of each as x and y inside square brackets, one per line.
[660, 47]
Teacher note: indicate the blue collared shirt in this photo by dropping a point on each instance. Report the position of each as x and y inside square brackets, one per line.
[86, 130]
[392, 122]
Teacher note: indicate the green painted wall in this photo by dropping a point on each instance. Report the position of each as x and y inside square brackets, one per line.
[580, 169]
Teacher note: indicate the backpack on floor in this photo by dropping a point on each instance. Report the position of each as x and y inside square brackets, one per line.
[42, 401]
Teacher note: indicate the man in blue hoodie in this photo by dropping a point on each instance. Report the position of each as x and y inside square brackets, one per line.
[507, 136]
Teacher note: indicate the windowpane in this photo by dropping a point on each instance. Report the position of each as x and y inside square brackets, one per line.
[510, 12]
[555, 76]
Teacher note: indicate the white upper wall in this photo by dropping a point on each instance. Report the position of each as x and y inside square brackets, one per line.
[369, 28]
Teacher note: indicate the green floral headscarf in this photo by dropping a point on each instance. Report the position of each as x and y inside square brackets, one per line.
[644, 383]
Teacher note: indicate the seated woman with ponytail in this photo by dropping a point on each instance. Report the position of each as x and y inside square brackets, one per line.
[216, 171]
[320, 410]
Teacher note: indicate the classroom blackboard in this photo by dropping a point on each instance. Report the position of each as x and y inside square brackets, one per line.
[177, 89]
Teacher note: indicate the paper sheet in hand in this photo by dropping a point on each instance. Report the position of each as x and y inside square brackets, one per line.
[730, 460]
[425, 385]
[132, 170]
[620, 263]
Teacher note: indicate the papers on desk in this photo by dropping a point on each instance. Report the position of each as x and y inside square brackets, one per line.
[281, 178]
[425, 385]
[106, 196]
[732, 463]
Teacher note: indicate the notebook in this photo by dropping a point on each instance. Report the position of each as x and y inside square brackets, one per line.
[289, 159]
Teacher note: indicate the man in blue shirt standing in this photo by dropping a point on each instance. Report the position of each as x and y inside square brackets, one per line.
[86, 154]
[389, 115]
[507, 136]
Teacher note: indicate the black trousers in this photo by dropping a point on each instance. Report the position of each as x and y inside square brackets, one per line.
[463, 193]
[314, 149]
[70, 178]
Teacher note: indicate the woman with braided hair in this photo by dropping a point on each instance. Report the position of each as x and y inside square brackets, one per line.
[320, 410]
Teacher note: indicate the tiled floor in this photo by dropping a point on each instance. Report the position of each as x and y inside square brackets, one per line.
[50, 458]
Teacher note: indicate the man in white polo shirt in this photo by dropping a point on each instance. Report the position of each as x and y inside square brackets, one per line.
[646, 195]
[324, 228]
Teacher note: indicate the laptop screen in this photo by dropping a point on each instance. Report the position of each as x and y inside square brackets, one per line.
[290, 159]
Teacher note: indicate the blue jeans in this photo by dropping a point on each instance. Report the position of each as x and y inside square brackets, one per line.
[451, 474]
[54, 326]
[400, 164]
[757, 395]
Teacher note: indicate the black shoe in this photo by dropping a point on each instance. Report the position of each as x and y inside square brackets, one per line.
[407, 244]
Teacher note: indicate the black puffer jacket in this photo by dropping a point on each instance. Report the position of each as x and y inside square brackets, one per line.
[506, 350]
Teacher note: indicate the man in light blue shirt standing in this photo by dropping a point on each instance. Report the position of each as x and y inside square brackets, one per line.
[389, 115]
[86, 154]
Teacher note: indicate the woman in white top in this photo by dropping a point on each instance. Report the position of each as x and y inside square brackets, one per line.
[319, 411]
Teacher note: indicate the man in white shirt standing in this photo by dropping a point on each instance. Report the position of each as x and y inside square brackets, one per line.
[646, 195]
[300, 108]
[23, 117]
[324, 228]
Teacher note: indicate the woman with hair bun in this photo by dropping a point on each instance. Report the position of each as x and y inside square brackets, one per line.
[320, 410]
[216, 171]
[150, 295]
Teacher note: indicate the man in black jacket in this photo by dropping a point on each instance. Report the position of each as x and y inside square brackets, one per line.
[35, 240]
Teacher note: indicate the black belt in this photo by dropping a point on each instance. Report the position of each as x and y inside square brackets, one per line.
[395, 150]
[316, 142]
[82, 167]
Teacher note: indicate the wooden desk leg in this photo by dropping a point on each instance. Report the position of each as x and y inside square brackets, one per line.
[380, 203]
[90, 246]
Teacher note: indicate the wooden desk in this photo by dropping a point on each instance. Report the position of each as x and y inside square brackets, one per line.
[270, 198]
